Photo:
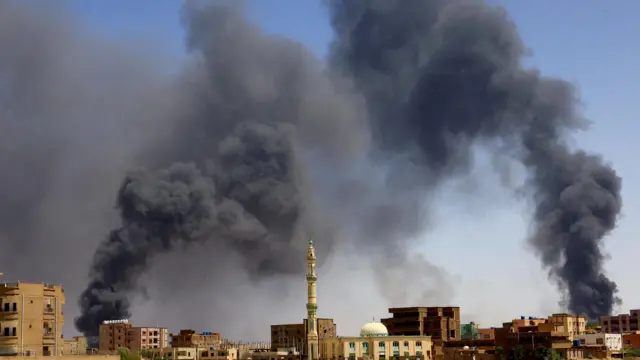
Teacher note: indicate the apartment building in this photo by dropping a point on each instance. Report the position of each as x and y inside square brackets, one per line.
[188, 338]
[31, 319]
[621, 323]
[573, 324]
[143, 338]
[115, 334]
[441, 323]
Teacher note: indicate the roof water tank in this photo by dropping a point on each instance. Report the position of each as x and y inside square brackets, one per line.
[521, 317]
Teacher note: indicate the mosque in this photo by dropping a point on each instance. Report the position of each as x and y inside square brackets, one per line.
[374, 341]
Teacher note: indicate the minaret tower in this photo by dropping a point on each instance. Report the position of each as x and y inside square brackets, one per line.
[312, 306]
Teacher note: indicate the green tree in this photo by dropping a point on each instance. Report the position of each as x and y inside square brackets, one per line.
[517, 353]
[125, 354]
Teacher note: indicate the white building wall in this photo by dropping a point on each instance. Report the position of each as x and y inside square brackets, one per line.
[613, 342]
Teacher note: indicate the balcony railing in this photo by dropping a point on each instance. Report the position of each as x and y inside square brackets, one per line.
[49, 309]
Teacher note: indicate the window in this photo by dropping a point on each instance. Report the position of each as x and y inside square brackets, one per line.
[6, 332]
[365, 347]
[13, 332]
[418, 345]
[352, 347]
[333, 348]
[7, 307]
[15, 306]
[406, 345]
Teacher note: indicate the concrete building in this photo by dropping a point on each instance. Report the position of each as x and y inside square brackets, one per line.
[441, 323]
[31, 319]
[631, 340]
[116, 334]
[144, 338]
[295, 335]
[612, 342]
[573, 324]
[375, 342]
[527, 338]
[621, 323]
[75, 346]
[189, 338]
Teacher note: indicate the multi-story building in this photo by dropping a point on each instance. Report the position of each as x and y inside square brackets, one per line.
[143, 338]
[527, 338]
[113, 335]
[116, 334]
[573, 324]
[189, 338]
[441, 323]
[31, 319]
[621, 323]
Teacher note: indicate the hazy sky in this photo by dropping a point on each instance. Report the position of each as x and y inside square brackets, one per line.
[480, 240]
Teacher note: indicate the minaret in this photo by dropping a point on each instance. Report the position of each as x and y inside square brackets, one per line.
[312, 307]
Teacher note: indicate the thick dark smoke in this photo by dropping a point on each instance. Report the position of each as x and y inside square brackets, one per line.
[443, 75]
[256, 144]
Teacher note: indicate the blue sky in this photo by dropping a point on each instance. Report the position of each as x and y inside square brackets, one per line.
[589, 42]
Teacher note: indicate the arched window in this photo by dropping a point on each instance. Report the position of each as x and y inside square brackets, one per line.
[365, 347]
[406, 344]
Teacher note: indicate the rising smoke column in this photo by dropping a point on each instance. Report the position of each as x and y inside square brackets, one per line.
[231, 174]
[442, 75]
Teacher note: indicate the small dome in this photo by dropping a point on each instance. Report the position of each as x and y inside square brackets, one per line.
[374, 329]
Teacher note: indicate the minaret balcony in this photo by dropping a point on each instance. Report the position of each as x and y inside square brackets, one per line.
[312, 278]
[312, 306]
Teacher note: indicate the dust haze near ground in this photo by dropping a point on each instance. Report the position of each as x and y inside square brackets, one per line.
[278, 147]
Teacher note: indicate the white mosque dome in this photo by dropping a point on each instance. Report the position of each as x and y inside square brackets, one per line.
[374, 329]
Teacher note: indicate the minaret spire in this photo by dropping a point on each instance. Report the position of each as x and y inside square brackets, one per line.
[312, 306]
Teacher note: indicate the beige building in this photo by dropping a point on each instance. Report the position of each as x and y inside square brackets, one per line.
[75, 346]
[621, 323]
[375, 342]
[115, 334]
[144, 338]
[573, 324]
[193, 353]
[31, 319]
[189, 338]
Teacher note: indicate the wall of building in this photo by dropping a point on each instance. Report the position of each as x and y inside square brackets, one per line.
[142, 338]
[31, 318]
[631, 341]
[75, 346]
[374, 347]
[113, 336]
[612, 342]
[573, 324]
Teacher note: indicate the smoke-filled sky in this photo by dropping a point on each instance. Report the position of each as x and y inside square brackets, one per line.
[479, 221]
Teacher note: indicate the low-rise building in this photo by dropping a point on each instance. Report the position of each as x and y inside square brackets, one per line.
[631, 340]
[75, 346]
[189, 338]
[285, 336]
[612, 342]
[376, 343]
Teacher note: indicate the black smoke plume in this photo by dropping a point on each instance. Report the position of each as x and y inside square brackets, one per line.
[441, 76]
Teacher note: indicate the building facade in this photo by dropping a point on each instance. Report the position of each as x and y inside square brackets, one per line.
[31, 319]
[612, 342]
[144, 338]
[441, 323]
[189, 338]
[295, 335]
[621, 323]
[375, 342]
[573, 324]
[75, 346]
[115, 334]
